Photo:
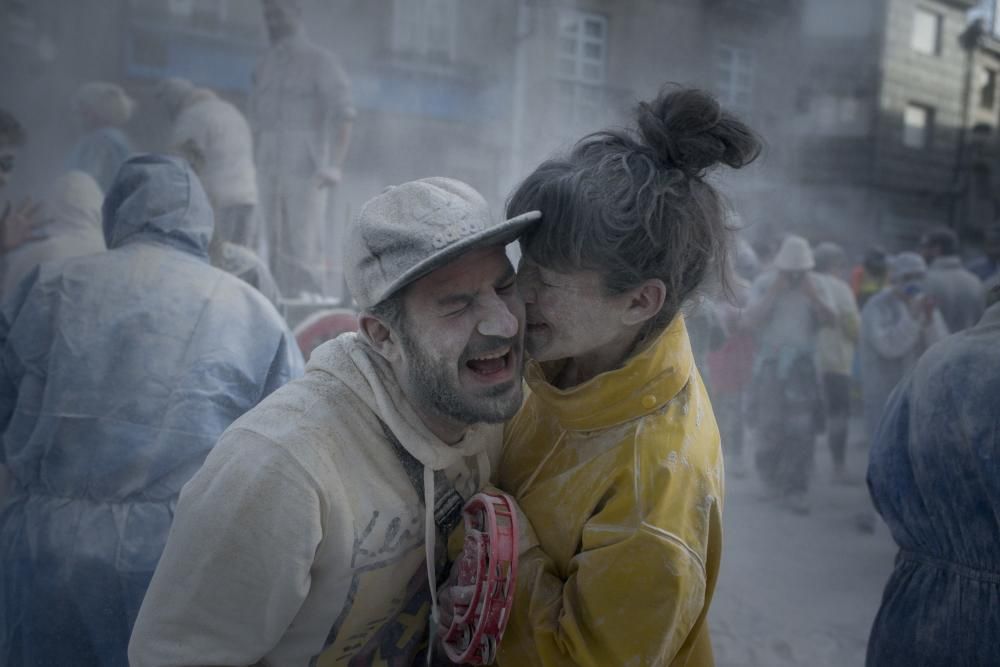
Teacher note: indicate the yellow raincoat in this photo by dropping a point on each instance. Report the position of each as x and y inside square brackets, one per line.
[622, 479]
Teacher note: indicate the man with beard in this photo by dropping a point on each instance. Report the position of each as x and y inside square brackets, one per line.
[314, 527]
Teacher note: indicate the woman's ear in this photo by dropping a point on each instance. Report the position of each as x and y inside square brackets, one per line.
[644, 302]
[378, 334]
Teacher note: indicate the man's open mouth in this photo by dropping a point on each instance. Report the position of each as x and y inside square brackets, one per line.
[493, 363]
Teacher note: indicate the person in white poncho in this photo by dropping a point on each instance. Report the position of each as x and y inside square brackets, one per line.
[214, 137]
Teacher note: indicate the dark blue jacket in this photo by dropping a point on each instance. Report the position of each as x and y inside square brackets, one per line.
[934, 475]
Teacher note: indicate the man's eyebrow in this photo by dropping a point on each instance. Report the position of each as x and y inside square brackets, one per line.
[456, 299]
[465, 297]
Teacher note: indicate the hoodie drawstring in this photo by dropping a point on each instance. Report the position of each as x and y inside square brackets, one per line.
[430, 545]
[483, 461]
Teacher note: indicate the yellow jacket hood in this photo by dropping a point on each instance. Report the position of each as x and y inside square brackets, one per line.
[643, 385]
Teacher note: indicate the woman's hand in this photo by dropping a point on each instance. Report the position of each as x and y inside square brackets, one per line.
[20, 225]
[450, 594]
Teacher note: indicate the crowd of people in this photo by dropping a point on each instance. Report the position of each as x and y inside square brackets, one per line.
[180, 488]
[810, 342]
[270, 176]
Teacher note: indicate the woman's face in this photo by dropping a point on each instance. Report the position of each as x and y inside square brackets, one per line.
[568, 315]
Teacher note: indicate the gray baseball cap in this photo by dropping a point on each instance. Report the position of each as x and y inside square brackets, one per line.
[412, 229]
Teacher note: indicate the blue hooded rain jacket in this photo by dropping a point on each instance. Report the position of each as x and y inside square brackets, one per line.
[118, 372]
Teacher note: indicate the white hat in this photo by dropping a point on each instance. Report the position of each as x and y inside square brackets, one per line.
[906, 263]
[105, 101]
[412, 229]
[795, 255]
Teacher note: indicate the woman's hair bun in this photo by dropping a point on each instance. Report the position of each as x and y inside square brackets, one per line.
[688, 130]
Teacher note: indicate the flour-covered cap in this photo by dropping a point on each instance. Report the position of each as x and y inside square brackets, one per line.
[412, 229]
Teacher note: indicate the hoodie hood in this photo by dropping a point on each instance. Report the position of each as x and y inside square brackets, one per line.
[356, 364]
[73, 204]
[158, 198]
[370, 377]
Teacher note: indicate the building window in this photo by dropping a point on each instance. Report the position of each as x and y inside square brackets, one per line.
[918, 125]
[424, 28]
[734, 78]
[581, 66]
[987, 87]
[583, 47]
[926, 37]
[839, 115]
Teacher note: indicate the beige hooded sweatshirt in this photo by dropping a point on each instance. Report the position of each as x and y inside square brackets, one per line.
[302, 540]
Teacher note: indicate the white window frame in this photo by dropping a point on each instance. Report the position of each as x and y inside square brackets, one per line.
[987, 85]
[918, 34]
[413, 26]
[918, 133]
[735, 68]
[582, 77]
[573, 26]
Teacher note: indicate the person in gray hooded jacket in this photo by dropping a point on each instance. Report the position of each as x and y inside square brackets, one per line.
[118, 372]
[958, 293]
[897, 325]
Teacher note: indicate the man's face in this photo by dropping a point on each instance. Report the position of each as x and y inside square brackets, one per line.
[8, 159]
[462, 340]
[281, 20]
[929, 251]
[794, 278]
[910, 285]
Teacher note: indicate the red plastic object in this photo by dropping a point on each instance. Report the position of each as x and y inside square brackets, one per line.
[489, 564]
[323, 326]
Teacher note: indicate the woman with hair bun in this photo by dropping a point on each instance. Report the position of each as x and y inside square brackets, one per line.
[614, 459]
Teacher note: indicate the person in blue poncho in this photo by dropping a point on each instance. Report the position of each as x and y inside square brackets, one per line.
[934, 476]
[118, 372]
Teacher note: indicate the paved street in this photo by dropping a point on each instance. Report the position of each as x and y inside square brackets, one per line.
[799, 590]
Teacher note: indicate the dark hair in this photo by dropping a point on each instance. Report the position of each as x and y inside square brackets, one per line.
[391, 310]
[944, 238]
[11, 130]
[634, 204]
[876, 261]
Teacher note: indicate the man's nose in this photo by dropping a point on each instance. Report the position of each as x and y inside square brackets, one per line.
[498, 320]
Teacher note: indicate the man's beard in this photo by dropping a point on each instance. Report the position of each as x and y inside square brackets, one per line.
[439, 392]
